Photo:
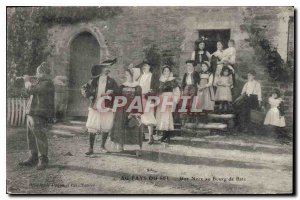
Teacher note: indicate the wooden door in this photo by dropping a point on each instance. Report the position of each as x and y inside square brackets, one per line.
[84, 52]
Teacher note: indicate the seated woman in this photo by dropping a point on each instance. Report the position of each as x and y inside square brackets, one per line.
[168, 92]
[126, 129]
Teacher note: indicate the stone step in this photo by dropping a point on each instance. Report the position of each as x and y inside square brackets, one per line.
[79, 123]
[71, 128]
[62, 133]
[214, 126]
[221, 116]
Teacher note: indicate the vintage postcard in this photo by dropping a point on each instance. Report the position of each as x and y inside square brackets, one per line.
[150, 100]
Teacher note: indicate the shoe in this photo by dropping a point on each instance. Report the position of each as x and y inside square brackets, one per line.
[245, 130]
[162, 139]
[151, 141]
[43, 163]
[103, 150]
[90, 152]
[29, 162]
[138, 153]
[120, 148]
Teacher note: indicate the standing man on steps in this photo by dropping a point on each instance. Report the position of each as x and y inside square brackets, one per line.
[40, 110]
[100, 121]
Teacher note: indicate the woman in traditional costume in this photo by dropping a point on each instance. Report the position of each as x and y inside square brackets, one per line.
[147, 83]
[127, 129]
[168, 92]
[200, 54]
[206, 96]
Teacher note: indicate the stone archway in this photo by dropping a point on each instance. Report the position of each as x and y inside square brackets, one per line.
[86, 47]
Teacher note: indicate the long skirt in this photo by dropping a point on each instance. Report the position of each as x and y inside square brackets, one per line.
[273, 118]
[206, 99]
[124, 132]
[164, 117]
[223, 93]
[99, 121]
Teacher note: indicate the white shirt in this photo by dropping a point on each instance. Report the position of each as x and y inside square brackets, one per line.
[189, 79]
[101, 85]
[252, 87]
[145, 82]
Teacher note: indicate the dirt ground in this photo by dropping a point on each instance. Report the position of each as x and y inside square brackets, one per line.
[216, 164]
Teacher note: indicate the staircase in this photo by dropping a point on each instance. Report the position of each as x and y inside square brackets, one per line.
[68, 129]
[217, 124]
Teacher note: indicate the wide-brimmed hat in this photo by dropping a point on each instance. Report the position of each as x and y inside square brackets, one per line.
[97, 69]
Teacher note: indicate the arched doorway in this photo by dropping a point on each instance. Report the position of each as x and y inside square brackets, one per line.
[84, 52]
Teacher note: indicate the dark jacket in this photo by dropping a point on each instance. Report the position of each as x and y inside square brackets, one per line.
[195, 79]
[90, 89]
[41, 101]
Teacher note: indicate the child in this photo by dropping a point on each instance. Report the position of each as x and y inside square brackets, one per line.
[223, 93]
[228, 59]
[206, 97]
[229, 54]
[251, 95]
[189, 88]
[274, 116]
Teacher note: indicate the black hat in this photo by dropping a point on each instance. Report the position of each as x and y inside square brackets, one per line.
[109, 62]
[96, 70]
[191, 61]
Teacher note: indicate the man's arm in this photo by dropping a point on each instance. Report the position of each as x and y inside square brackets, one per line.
[39, 88]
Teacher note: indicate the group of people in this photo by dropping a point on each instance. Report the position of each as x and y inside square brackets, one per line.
[201, 92]
[208, 90]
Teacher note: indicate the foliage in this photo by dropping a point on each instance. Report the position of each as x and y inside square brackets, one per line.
[266, 53]
[27, 27]
[71, 15]
[158, 57]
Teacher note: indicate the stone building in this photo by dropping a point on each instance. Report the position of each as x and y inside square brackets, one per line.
[174, 30]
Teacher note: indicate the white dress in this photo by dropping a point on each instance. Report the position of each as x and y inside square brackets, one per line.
[273, 115]
[100, 121]
[223, 92]
[147, 118]
[164, 117]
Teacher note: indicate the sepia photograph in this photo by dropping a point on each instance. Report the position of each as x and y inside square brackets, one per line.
[150, 100]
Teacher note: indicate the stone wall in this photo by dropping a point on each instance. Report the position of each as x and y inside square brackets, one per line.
[174, 29]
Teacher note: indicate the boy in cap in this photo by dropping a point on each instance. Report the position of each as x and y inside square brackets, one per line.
[40, 111]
